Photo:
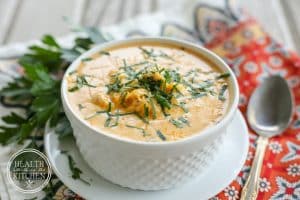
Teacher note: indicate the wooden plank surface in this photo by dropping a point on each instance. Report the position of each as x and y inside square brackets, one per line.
[291, 9]
[8, 10]
[24, 20]
[33, 18]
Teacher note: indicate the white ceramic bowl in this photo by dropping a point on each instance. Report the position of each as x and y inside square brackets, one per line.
[150, 165]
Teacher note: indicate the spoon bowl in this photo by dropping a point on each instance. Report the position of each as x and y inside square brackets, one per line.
[270, 107]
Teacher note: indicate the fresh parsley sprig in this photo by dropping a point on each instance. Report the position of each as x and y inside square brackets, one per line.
[37, 91]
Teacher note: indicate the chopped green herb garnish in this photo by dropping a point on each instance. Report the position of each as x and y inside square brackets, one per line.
[108, 122]
[73, 72]
[153, 54]
[163, 100]
[123, 114]
[198, 94]
[180, 122]
[135, 127]
[123, 96]
[153, 80]
[182, 105]
[86, 59]
[222, 92]
[200, 89]
[184, 120]
[191, 72]
[146, 111]
[117, 119]
[153, 108]
[109, 107]
[107, 111]
[176, 123]
[224, 75]
[96, 113]
[80, 82]
[146, 121]
[115, 86]
[160, 135]
[104, 53]
[172, 76]
[73, 89]
[138, 64]
[80, 106]
[204, 85]
[112, 118]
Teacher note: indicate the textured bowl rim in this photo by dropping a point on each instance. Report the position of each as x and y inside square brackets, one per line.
[212, 57]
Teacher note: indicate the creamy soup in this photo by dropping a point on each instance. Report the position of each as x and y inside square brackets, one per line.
[149, 92]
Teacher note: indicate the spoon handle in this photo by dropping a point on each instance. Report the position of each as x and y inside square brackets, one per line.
[251, 186]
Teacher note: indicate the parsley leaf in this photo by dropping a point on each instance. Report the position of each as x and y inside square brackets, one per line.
[76, 172]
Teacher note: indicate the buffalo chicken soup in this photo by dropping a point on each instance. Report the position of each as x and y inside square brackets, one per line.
[148, 92]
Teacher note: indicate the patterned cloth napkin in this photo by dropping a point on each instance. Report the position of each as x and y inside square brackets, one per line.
[250, 52]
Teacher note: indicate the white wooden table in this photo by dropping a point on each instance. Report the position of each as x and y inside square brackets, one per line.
[22, 20]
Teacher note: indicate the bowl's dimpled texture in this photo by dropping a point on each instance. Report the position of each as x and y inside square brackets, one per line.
[142, 173]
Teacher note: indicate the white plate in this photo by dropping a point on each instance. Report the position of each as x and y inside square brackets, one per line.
[221, 173]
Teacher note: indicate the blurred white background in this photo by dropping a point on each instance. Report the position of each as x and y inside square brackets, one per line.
[22, 20]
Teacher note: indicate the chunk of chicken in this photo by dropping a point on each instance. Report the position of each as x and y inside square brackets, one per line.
[101, 100]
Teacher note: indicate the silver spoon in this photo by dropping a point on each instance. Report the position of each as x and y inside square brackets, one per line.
[269, 113]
